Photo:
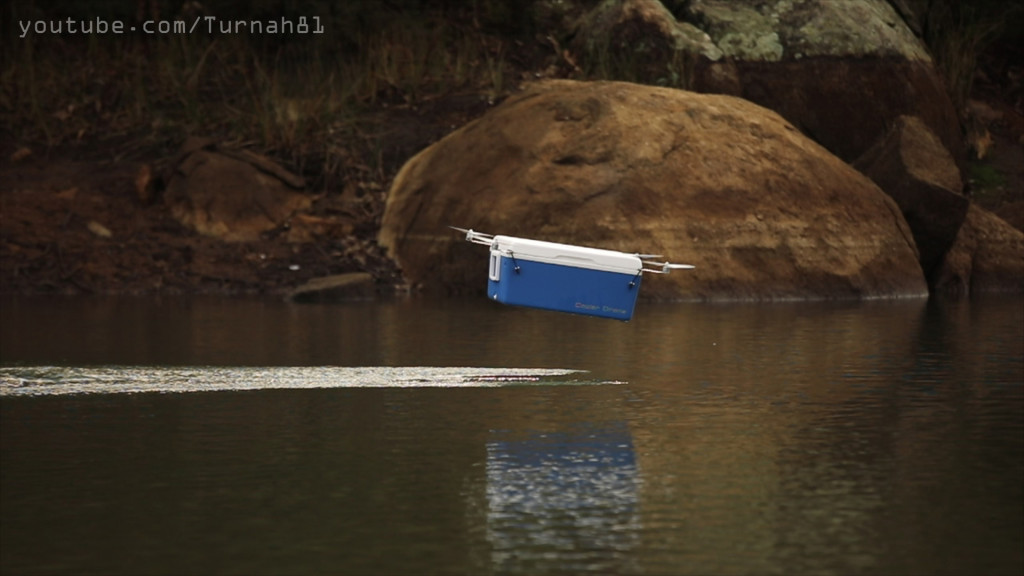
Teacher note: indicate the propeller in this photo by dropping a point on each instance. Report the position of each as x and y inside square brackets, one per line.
[475, 237]
[665, 267]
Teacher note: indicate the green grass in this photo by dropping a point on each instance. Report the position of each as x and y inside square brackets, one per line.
[985, 179]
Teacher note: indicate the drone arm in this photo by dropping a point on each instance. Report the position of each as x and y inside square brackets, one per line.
[475, 237]
[664, 267]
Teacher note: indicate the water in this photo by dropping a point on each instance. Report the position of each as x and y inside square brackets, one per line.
[206, 436]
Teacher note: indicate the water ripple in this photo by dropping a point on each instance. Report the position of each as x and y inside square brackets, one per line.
[59, 380]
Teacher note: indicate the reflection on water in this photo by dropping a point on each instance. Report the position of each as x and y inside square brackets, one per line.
[549, 494]
[810, 438]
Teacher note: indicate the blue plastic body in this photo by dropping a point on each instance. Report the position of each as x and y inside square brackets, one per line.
[519, 281]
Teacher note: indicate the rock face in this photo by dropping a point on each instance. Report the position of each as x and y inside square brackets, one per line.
[714, 181]
[912, 166]
[987, 257]
[644, 27]
[841, 72]
[776, 29]
[232, 195]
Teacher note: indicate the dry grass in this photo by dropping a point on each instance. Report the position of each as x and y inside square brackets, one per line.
[297, 101]
[958, 33]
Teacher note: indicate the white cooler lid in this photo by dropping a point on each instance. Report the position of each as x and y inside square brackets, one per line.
[566, 254]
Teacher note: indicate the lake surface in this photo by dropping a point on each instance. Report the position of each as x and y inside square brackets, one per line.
[245, 436]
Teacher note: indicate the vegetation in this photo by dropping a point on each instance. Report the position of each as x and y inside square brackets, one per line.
[312, 99]
[306, 98]
[957, 33]
[986, 180]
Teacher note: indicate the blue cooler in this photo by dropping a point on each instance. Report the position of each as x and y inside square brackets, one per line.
[564, 278]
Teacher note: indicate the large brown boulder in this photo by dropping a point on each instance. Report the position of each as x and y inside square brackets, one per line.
[714, 181]
[234, 195]
[987, 257]
[911, 165]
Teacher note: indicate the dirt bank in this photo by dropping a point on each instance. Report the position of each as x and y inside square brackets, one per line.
[73, 223]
